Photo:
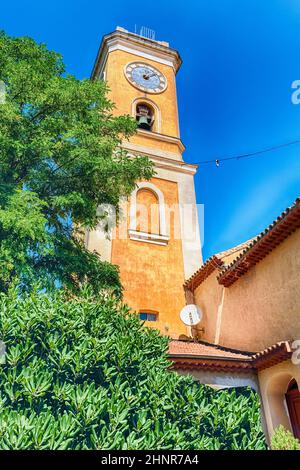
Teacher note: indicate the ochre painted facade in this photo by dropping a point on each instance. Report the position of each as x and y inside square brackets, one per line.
[152, 270]
[123, 94]
[153, 275]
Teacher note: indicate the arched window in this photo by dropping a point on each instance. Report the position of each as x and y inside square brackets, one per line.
[147, 215]
[147, 211]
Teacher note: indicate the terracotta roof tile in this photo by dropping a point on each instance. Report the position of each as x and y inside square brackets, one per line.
[202, 355]
[272, 355]
[206, 269]
[251, 252]
[262, 245]
[234, 249]
[214, 262]
[205, 349]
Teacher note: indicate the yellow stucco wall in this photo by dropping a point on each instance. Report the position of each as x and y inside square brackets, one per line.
[152, 275]
[148, 217]
[208, 296]
[123, 94]
[259, 309]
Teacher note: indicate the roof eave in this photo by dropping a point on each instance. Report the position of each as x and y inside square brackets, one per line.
[287, 223]
[269, 357]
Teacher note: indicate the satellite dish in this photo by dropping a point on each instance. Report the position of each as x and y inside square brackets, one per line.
[191, 315]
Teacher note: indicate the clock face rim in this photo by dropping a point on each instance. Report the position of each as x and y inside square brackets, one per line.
[140, 87]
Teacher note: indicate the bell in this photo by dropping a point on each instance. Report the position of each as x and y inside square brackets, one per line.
[143, 123]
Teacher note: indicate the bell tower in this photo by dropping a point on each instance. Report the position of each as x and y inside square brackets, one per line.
[156, 244]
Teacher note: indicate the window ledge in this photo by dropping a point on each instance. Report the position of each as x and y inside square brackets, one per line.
[154, 238]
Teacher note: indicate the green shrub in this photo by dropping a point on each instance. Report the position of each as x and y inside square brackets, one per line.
[283, 439]
[85, 374]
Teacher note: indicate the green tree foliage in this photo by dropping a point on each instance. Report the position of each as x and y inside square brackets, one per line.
[283, 439]
[82, 373]
[59, 160]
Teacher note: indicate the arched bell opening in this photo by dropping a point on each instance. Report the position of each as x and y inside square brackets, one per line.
[145, 116]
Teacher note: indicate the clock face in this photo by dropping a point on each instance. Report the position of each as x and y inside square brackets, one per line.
[145, 77]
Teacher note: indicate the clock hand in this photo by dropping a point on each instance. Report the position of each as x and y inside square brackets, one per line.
[149, 75]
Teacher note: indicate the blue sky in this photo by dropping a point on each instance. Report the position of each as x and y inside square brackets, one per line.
[234, 91]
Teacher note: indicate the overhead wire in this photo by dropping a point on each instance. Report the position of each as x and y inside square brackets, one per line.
[218, 160]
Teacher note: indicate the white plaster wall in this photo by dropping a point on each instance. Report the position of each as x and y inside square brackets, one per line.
[223, 379]
[190, 233]
[97, 240]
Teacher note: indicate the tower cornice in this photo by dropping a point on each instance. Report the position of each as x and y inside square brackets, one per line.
[120, 39]
[161, 159]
